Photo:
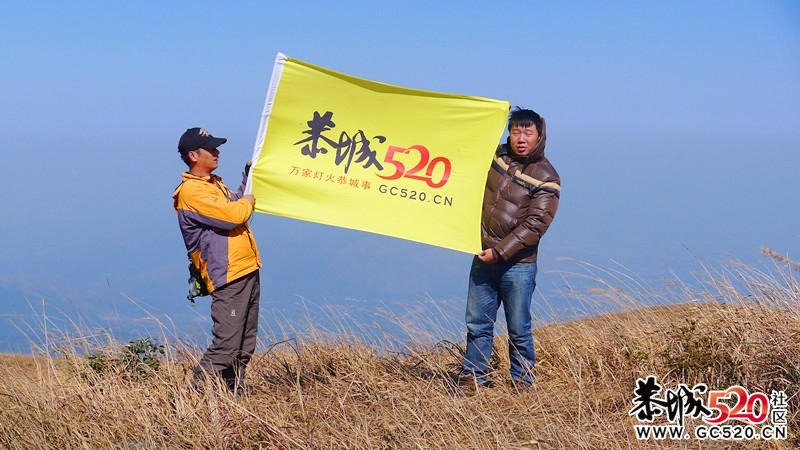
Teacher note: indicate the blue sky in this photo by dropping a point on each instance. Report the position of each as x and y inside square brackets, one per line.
[673, 125]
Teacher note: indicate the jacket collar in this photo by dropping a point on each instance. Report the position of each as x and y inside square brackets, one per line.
[535, 155]
[207, 179]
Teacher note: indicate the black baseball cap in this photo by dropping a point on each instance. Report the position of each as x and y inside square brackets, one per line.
[195, 138]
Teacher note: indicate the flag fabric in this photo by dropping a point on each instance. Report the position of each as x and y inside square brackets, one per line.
[348, 152]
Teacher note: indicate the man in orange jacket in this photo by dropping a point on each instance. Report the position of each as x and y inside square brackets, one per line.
[213, 221]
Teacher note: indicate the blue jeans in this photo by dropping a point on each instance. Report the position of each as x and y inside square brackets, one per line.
[491, 285]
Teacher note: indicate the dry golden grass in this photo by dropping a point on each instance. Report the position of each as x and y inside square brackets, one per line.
[331, 391]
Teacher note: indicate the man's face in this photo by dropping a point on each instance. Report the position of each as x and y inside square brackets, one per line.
[523, 139]
[207, 158]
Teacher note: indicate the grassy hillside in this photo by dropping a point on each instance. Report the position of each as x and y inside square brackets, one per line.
[334, 391]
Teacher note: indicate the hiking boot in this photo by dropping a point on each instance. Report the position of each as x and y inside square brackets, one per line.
[520, 385]
[468, 381]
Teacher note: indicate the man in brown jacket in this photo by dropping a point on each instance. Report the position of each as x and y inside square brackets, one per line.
[519, 203]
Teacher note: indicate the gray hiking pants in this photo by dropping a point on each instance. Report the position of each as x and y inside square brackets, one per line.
[234, 311]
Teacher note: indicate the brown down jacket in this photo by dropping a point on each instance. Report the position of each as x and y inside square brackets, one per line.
[519, 203]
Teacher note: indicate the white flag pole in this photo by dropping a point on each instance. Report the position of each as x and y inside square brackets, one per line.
[277, 70]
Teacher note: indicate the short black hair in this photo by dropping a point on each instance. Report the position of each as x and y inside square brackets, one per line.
[185, 157]
[525, 118]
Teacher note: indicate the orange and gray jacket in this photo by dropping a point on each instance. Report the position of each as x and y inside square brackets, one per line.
[213, 221]
[519, 203]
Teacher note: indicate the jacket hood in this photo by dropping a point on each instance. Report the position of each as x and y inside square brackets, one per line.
[187, 176]
[538, 151]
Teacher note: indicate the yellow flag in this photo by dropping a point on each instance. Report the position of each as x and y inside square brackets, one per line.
[354, 153]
